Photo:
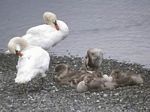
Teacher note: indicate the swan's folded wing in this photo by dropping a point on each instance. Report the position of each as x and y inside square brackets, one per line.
[35, 58]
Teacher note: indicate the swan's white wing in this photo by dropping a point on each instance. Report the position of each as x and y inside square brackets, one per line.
[53, 38]
[34, 61]
[46, 36]
[40, 29]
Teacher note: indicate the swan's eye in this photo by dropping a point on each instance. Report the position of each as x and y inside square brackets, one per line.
[16, 51]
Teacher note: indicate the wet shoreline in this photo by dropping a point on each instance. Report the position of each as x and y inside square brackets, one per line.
[49, 96]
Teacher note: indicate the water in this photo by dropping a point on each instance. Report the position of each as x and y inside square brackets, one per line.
[120, 27]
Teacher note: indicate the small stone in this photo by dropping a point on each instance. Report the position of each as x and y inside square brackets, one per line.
[94, 93]
[97, 101]
[97, 94]
[75, 101]
[116, 94]
[75, 65]
[99, 107]
[105, 95]
[72, 109]
[121, 99]
[56, 89]
[87, 98]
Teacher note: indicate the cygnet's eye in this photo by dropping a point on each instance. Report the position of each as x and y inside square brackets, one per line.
[92, 54]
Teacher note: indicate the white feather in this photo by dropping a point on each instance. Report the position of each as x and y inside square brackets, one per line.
[45, 35]
[33, 62]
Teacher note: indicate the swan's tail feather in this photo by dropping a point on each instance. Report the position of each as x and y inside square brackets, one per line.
[24, 77]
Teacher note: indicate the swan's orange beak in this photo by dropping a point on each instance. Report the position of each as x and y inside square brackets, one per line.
[18, 53]
[56, 25]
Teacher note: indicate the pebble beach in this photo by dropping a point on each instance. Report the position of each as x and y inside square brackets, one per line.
[52, 97]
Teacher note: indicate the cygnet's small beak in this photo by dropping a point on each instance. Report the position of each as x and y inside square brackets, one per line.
[56, 25]
[18, 53]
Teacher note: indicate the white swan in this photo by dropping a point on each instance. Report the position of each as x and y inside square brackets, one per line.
[48, 34]
[33, 60]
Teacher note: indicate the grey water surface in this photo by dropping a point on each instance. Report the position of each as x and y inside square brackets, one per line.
[120, 27]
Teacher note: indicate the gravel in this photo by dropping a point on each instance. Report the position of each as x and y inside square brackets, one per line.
[46, 95]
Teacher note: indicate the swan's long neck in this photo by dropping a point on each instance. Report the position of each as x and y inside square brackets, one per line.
[51, 24]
